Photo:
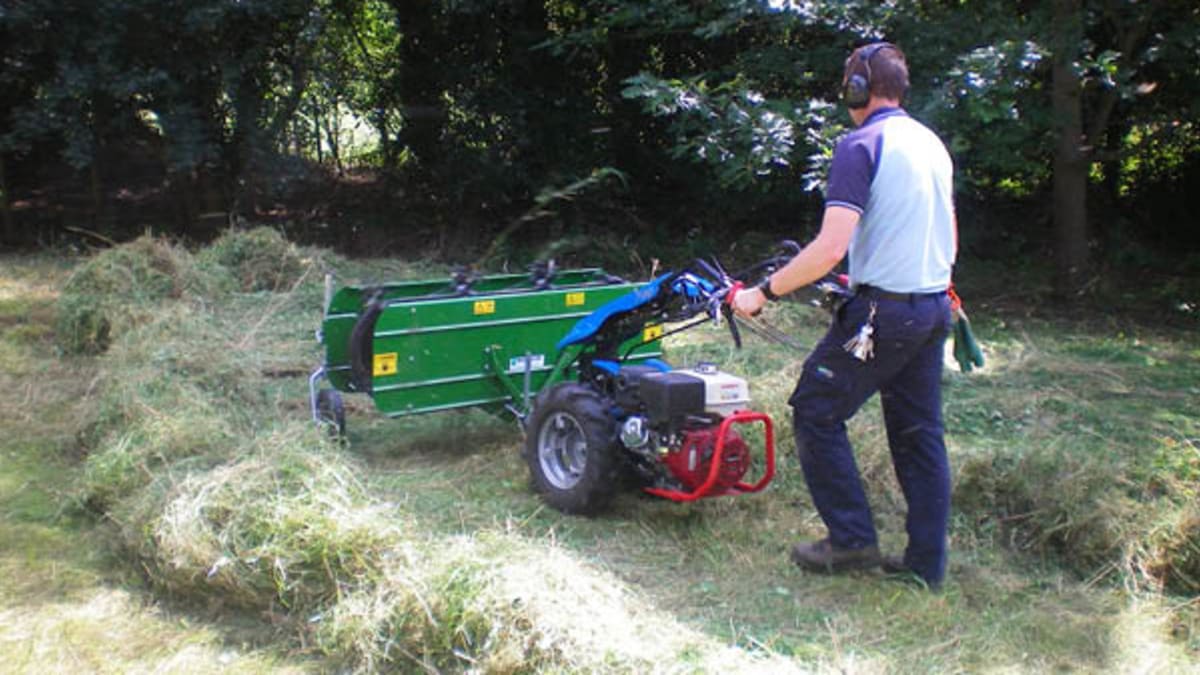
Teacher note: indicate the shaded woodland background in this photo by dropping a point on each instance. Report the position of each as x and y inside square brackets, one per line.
[591, 128]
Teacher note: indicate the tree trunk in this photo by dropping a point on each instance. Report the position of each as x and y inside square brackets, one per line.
[301, 75]
[386, 147]
[7, 228]
[625, 57]
[333, 134]
[101, 125]
[316, 121]
[1070, 160]
[96, 189]
[420, 81]
[245, 154]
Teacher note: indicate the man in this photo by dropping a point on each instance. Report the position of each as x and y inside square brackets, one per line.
[888, 202]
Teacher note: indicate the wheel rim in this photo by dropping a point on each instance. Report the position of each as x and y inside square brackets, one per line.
[562, 450]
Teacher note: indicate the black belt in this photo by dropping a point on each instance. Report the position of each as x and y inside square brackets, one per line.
[873, 292]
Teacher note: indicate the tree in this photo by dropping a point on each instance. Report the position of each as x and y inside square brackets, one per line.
[1028, 96]
[196, 79]
[481, 105]
[421, 47]
[1070, 158]
[1057, 95]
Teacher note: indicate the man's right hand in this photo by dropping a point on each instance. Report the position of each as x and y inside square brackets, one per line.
[748, 302]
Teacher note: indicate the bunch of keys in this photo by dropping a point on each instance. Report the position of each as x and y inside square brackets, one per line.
[862, 346]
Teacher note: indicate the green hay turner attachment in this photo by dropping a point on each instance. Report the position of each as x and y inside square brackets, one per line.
[427, 346]
[574, 356]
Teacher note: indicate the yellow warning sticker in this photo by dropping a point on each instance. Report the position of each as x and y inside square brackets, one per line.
[575, 299]
[385, 364]
[652, 333]
[485, 306]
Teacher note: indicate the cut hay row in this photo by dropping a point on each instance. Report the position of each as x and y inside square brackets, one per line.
[226, 498]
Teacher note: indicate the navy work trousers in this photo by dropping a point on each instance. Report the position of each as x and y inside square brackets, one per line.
[909, 335]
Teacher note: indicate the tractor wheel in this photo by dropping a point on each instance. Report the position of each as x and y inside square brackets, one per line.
[571, 449]
[331, 413]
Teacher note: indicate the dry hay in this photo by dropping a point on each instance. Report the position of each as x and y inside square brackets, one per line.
[260, 259]
[497, 603]
[121, 287]
[219, 507]
[1175, 551]
[286, 524]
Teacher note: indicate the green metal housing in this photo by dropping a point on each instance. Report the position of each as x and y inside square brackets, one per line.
[440, 345]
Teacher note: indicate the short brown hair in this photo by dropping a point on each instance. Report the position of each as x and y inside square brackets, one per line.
[887, 68]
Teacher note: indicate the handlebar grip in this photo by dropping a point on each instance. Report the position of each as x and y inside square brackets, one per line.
[732, 292]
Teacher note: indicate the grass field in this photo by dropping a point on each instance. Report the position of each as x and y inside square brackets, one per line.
[165, 505]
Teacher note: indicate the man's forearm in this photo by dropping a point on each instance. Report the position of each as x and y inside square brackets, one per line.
[812, 263]
[821, 255]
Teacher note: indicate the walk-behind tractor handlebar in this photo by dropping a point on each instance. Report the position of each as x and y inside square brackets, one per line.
[574, 356]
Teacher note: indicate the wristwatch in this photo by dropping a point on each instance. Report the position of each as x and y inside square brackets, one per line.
[765, 287]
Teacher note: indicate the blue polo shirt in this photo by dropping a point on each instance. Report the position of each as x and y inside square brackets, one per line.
[897, 175]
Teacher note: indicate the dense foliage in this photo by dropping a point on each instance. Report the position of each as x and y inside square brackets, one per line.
[717, 117]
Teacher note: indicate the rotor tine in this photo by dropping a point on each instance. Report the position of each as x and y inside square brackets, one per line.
[768, 332]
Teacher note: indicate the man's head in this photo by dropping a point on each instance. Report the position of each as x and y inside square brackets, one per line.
[876, 75]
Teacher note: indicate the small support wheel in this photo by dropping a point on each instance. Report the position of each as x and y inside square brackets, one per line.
[331, 413]
[571, 449]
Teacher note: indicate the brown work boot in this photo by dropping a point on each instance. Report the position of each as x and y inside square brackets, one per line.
[822, 556]
[895, 568]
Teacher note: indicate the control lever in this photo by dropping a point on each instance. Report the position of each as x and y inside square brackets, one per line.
[727, 310]
[728, 313]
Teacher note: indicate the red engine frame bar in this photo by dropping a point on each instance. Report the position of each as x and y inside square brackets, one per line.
[739, 417]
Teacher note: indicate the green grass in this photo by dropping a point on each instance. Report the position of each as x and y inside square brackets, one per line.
[420, 545]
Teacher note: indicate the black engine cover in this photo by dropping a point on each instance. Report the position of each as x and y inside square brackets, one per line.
[671, 397]
[627, 387]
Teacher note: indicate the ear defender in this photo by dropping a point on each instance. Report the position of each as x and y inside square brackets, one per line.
[856, 92]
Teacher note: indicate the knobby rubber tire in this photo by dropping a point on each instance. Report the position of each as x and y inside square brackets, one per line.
[600, 476]
[331, 412]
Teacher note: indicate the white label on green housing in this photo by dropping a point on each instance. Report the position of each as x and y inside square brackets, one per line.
[517, 363]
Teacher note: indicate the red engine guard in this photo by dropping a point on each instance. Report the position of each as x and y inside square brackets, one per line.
[739, 417]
